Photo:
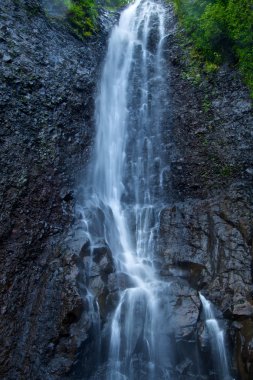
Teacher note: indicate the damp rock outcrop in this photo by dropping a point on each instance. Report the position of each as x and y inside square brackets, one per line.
[205, 233]
[48, 81]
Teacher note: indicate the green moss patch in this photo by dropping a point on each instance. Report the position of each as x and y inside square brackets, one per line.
[221, 31]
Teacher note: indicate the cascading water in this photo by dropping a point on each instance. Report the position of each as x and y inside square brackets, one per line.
[127, 183]
[128, 180]
[216, 336]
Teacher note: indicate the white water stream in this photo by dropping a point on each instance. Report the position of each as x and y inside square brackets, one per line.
[217, 340]
[127, 181]
[127, 191]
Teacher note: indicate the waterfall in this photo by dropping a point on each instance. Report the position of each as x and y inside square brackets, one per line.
[128, 145]
[128, 192]
[216, 336]
[127, 184]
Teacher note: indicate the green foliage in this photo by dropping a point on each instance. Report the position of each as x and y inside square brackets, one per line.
[115, 4]
[210, 36]
[240, 28]
[221, 30]
[82, 16]
[206, 104]
[31, 9]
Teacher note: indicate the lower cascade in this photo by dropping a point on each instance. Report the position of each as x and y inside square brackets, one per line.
[217, 339]
[129, 188]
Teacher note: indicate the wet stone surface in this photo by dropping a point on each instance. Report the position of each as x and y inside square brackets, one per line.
[48, 79]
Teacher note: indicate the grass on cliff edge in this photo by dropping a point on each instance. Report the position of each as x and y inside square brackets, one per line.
[82, 15]
[220, 31]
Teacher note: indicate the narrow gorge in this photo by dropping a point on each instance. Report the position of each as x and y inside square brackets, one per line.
[126, 201]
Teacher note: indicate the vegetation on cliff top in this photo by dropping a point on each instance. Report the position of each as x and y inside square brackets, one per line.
[114, 3]
[220, 30]
[82, 15]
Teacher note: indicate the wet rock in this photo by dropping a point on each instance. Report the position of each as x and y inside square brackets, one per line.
[99, 267]
[185, 305]
[100, 262]
[120, 281]
[86, 249]
[249, 171]
[47, 84]
[242, 308]
[211, 240]
[208, 242]
[244, 349]
[205, 235]
[6, 58]
[212, 127]
[183, 367]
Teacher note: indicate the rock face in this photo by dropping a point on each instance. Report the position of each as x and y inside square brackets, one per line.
[206, 230]
[48, 79]
[218, 255]
[208, 243]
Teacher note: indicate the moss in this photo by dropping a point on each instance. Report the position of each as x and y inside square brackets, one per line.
[32, 10]
[219, 31]
[210, 67]
[115, 4]
[196, 67]
[226, 171]
[82, 16]
[206, 105]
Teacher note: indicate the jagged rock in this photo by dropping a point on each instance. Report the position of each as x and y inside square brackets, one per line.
[47, 84]
[242, 309]
[120, 281]
[212, 239]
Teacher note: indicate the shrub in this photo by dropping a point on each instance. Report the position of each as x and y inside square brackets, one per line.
[221, 30]
[82, 16]
[115, 3]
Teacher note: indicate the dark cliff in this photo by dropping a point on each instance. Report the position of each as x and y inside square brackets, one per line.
[206, 230]
[48, 83]
[48, 80]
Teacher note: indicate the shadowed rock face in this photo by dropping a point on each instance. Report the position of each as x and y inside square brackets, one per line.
[214, 236]
[47, 84]
[205, 232]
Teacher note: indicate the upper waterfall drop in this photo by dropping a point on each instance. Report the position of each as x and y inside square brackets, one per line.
[131, 70]
[128, 114]
[126, 181]
[112, 112]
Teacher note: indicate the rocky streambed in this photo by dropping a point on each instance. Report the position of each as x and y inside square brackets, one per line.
[48, 84]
